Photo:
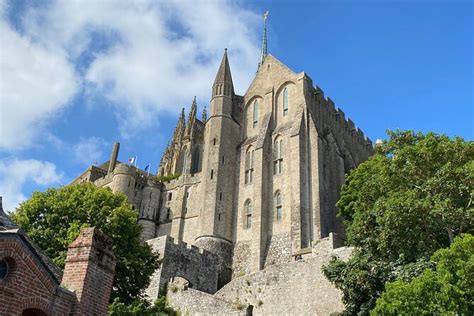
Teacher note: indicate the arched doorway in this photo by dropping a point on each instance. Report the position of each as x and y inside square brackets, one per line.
[33, 312]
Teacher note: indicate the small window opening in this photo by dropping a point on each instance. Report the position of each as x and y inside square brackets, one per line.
[285, 101]
[223, 159]
[168, 214]
[220, 196]
[170, 195]
[255, 113]
[248, 215]
[278, 206]
[278, 157]
[249, 159]
[214, 141]
[212, 174]
[3, 269]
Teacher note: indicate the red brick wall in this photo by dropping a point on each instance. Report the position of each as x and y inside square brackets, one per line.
[89, 271]
[28, 284]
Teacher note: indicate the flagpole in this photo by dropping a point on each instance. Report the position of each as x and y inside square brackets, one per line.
[136, 161]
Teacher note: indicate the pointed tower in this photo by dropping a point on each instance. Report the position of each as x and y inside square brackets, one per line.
[222, 89]
[221, 137]
[191, 118]
[264, 51]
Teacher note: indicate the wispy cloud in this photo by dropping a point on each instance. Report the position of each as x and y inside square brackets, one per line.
[15, 173]
[144, 57]
[89, 150]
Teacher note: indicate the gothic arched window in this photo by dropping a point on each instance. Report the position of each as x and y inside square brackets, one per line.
[285, 101]
[255, 113]
[249, 165]
[185, 163]
[195, 160]
[278, 206]
[278, 156]
[248, 214]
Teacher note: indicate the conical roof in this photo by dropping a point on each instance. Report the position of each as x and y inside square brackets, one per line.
[223, 74]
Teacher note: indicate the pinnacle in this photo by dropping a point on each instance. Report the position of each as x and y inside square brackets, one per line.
[223, 74]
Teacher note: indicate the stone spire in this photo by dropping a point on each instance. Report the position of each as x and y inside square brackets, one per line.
[204, 115]
[223, 85]
[180, 127]
[264, 51]
[191, 117]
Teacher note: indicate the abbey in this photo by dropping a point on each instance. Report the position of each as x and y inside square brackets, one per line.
[252, 185]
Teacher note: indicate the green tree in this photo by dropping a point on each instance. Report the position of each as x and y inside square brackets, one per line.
[448, 289]
[408, 200]
[141, 307]
[53, 219]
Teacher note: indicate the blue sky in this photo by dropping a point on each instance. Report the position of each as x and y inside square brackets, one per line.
[75, 76]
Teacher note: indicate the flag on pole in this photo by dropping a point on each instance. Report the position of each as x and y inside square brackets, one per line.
[132, 160]
[147, 169]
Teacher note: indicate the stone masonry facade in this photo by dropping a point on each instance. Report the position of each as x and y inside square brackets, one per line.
[254, 182]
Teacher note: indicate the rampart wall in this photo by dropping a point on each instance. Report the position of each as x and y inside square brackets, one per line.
[197, 266]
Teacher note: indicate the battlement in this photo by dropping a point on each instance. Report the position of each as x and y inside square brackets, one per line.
[336, 117]
[180, 259]
[185, 247]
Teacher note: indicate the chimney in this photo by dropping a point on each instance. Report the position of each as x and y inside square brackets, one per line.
[89, 272]
[113, 157]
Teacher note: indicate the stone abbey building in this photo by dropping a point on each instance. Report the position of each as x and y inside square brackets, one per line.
[250, 186]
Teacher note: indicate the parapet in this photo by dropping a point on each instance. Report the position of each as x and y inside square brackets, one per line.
[336, 117]
[125, 169]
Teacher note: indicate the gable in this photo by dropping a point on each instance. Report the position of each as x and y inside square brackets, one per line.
[272, 74]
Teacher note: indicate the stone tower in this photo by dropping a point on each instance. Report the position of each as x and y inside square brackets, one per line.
[219, 160]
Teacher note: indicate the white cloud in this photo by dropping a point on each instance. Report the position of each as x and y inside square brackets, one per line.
[154, 56]
[89, 150]
[35, 83]
[15, 173]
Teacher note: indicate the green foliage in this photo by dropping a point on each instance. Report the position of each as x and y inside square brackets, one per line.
[53, 219]
[408, 200]
[446, 290]
[169, 178]
[141, 307]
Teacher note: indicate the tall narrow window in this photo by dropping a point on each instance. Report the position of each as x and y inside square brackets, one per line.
[285, 101]
[278, 206]
[168, 214]
[185, 163]
[255, 113]
[278, 156]
[248, 214]
[249, 166]
[212, 173]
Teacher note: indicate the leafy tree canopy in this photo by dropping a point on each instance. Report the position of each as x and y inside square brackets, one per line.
[408, 200]
[446, 290]
[53, 219]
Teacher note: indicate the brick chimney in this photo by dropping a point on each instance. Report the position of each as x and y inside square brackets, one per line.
[89, 272]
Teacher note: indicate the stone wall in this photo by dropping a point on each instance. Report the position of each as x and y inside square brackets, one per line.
[293, 288]
[278, 250]
[199, 267]
[192, 302]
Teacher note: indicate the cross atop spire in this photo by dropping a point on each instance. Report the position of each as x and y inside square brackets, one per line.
[264, 52]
